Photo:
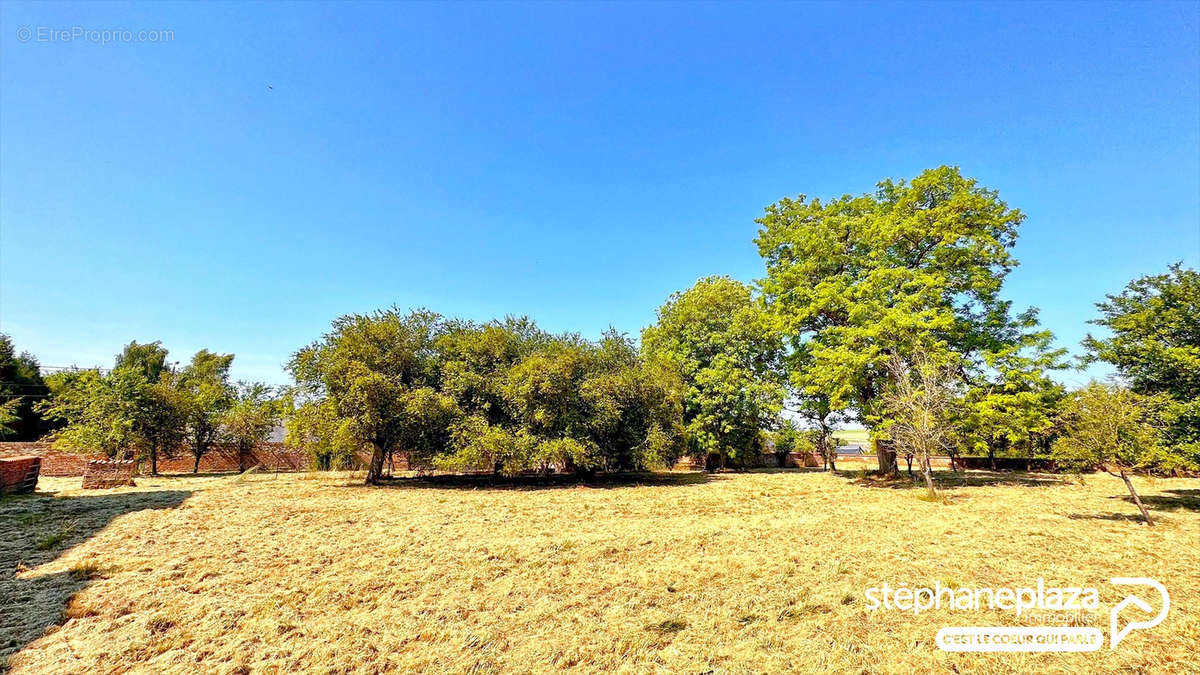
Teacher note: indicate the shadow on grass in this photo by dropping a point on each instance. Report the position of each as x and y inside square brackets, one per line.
[35, 529]
[1116, 517]
[952, 480]
[551, 482]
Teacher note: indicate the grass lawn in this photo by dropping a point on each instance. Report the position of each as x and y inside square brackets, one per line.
[755, 572]
[861, 436]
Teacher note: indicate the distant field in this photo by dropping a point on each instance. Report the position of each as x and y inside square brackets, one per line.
[862, 436]
[754, 572]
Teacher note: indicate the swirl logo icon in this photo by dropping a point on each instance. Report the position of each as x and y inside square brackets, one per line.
[1118, 635]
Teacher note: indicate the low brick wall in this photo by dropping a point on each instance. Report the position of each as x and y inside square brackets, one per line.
[109, 473]
[19, 474]
[1011, 464]
[220, 459]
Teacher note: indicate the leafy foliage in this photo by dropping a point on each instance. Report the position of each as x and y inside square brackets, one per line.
[136, 409]
[915, 266]
[207, 397]
[1155, 345]
[21, 388]
[252, 415]
[503, 396]
[725, 348]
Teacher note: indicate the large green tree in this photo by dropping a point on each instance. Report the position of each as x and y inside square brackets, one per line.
[726, 349]
[377, 375]
[916, 266]
[1155, 346]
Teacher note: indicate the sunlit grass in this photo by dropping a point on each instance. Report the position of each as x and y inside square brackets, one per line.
[756, 572]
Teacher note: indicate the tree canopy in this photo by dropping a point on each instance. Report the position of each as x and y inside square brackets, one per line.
[502, 396]
[1155, 346]
[717, 336]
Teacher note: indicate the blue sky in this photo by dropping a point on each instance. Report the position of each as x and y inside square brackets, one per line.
[273, 166]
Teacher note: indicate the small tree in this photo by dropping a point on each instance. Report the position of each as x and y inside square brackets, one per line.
[823, 420]
[251, 418]
[919, 407]
[208, 395]
[1112, 428]
[161, 423]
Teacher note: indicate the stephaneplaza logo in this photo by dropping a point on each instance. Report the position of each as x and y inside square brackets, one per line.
[103, 36]
[1038, 598]
[1019, 600]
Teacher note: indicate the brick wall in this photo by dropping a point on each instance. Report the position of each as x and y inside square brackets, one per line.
[18, 474]
[271, 456]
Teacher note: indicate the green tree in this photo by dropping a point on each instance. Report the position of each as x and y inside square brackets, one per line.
[135, 409]
[1011, 403]
[815, 409]
[575, 405]
[254, 413]
[21, 389]
[98, 411]
[8, 415]
[727, 352]
[369, 372]
[314, 426]
[208, 395]
[1155, 346]
[915, 266]
[161, 422]
[1112, 428]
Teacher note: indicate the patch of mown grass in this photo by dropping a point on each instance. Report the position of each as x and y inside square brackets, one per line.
[754, 572]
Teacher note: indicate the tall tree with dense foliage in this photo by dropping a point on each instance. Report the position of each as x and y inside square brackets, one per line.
[372, 372]
[915, 266]
[724, 346]
[251, 418]
[1113, 428]
[208, 397]
[1155, 346]
[21, 388]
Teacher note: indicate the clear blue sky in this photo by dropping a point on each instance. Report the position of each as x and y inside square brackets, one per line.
[273, 166]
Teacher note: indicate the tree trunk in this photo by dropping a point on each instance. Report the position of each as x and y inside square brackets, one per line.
[886, 456]
[241, 458]
[1136, 500]
[153, 461]
[992, 456]
[833, 461]
[928, 471]
[196, 464]
[375, 469]
[908, 458]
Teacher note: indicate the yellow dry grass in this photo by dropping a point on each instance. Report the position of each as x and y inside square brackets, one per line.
[755, 572]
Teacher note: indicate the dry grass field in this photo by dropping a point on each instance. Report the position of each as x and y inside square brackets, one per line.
[755, 572]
